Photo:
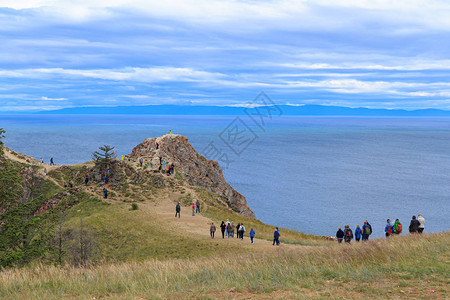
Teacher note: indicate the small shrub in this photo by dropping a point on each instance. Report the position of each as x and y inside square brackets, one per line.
[134, 206]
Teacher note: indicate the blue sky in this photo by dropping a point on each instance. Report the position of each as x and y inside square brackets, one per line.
[375, 53]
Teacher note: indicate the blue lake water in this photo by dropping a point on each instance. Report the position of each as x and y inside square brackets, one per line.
[311, 174]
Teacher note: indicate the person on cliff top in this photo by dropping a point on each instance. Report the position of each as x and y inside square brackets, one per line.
[122, 158]
[421, 223]
[358, 233]
[157, 146]
[212, 229]
[86, 180]
[51, 161]
[276, 237]
[348, 234]
[414, 225]
[222, 229]
[252, 234]
[366, 231]
[398, 228]
[177, 210]
[197, 206]
[105, 193]
[339, 235]
[388, 228]
[193, 208]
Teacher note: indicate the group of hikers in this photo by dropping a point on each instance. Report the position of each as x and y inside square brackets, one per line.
[416, 226]
[227, 228]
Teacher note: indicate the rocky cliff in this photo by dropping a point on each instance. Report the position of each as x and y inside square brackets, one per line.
[193, 167]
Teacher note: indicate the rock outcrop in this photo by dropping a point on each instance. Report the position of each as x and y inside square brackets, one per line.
[195, 168]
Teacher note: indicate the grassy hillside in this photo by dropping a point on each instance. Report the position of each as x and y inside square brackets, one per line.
[402, 267]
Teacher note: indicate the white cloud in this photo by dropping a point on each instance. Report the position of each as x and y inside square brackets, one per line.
[53, 99]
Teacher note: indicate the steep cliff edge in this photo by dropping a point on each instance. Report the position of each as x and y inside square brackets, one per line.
[193, 167]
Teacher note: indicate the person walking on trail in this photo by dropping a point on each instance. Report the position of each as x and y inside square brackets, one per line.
[105, 193]
[366, 231]
[227, 228]
[421, 223]
[177, 210]
[237, 230]
[339, 235]
[231, 230]
[252, 234]
[398, 228]
[414, 225]
[51, 161]
[358, 233]
[241, 231]
[86, 180]
[193, 208]
[222, 229]
[348, 234]
[197, 206]
[212, 229]
[141, 161]
[276, 237]
[388, 228]
[157, 146]
[106, 179]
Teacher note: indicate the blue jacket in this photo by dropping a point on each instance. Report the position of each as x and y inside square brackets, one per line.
[252, 233]
[388, 226]
[358, 233]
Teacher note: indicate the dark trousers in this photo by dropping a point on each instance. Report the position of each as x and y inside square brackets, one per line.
[420, 230]
[365, 237]
[276, 241]
[197, 210]
[357, 240]
[212, 234]
[223, 234]
[177, 213]
[251, 239]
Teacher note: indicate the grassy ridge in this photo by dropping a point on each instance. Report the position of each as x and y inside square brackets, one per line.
[402, 267]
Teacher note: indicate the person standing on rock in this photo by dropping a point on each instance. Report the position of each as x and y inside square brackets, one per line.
[106, 179]
[141, 161]
[157, 146]
[177, 210]
[105, 193]
[193, 208]
[276, 237]
[252, 234]
[212, 229]
[197, 206]
[421, 223]
[222, 229]
[86, 180]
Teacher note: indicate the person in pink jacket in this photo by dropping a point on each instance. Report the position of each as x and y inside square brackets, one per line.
[193, 208]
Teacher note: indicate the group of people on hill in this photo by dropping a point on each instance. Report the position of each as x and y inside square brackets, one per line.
[195, 208]
[346, 235]
[228, 229]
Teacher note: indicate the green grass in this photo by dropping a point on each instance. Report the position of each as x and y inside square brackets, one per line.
[405, 267]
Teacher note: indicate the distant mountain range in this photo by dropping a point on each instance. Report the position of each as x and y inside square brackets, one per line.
[305, 110]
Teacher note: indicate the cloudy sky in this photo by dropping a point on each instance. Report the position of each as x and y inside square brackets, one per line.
[366, 53]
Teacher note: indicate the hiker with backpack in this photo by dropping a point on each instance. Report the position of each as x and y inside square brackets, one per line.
[397, 227]
[197, 206]
[339, 235]
[366, 231]
[276, 237]
[421, 223]
[222, 228]
[388, 228]
[414, 225]
[358, 233]
[177, 210]
[252, 234]
[212, 229]
[348, 234]
[241, 231]
[231, 230]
